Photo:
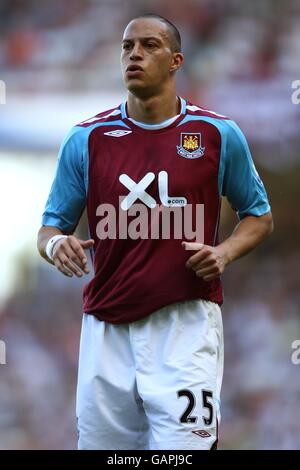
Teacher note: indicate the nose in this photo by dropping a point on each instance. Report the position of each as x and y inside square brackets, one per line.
[136, 52]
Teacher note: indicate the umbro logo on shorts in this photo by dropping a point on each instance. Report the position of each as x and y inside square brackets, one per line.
[117, 133]
[202, 433]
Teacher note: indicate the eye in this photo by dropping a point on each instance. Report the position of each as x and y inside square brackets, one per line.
[126, 46]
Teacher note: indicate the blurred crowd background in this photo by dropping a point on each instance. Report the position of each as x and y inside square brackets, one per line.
[59, 60]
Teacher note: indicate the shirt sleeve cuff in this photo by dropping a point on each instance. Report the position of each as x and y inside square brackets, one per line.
[62, 225]
[255, 211]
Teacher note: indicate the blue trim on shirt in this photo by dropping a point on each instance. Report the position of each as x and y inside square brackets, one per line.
[183, 105]
[123, 110]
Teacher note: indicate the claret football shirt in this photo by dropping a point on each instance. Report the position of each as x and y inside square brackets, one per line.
[146, 189]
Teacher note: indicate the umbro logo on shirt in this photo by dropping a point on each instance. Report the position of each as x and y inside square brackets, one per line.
[117, 133]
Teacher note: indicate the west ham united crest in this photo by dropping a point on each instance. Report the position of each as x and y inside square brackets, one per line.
[190, 145]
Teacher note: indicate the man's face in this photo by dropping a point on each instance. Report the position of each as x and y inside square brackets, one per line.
[147, 57]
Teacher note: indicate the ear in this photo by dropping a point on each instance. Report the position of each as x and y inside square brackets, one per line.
[177, 61]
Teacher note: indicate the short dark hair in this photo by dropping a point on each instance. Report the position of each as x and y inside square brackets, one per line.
[175, 38]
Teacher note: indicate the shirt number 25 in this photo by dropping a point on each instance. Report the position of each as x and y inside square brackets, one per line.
[207, 397]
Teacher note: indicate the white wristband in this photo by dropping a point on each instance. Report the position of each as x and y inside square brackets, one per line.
[51, 243]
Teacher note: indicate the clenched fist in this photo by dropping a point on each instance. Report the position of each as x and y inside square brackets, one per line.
[208, 262]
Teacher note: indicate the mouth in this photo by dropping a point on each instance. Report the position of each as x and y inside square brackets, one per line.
[134, 68]
[134, 71]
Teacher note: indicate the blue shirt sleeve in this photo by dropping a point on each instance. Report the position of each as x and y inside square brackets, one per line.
[67, 196]
[238, 177]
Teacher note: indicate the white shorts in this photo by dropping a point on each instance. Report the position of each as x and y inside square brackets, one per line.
[154, 383]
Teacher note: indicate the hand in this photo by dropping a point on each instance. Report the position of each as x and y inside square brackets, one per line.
[208, 262]
[69, 256]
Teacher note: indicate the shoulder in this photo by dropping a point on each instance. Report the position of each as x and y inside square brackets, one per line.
[227, 127]
[196, 110]
[110, 115]
[79, 133]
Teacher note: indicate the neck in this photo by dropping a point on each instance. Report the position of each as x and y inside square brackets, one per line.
[154, 109]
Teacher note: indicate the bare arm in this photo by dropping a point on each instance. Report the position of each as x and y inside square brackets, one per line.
[210, 262]
[68, 253]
